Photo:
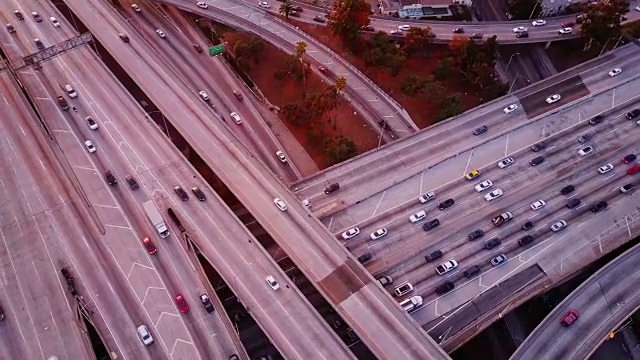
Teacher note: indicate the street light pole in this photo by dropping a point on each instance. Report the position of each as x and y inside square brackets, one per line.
[509, 62]
[534, 9]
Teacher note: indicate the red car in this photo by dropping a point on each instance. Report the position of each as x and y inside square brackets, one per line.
[149, 245]
[181, 302]
[634, 169]
[570, 318]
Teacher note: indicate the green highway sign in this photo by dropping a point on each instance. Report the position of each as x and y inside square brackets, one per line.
[218, 49]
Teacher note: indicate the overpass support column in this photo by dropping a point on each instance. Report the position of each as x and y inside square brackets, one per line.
[546, 46]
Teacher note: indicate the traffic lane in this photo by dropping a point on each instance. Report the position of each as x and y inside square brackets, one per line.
[526, 174]
[570, 89]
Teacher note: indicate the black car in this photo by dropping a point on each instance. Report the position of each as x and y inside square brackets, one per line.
[198, 193]
[536, 161]
[431, 224]
[368, 28]
[572, 203]
[10, 28]
[599, 206]
[458, 31]
[445, 204]
[492, 243]
[633, 114]
[433, 256]
[331, 188]
[567, 190]
[181, 193]
[111, 180]
[629, 158]
[445, 288]
[133, 184]
[123, 37]
[525, 240]
[1, 314]
[197, 47]
[523, 34]
[476, 234]
[482, 129]
[472, 271]
[19, 15]
[365, 257]
[476, 36]
[319, 19]
[527, 225]
[538, 146]
[596, 120]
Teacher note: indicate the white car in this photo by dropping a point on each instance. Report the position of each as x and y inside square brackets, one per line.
[350, 233]
[378, 234]
[420, 215]
[615, 72]
[280, 204]
[510, 108]
[204, 95]
[585, 150]
[539, 22]
[161, 33]
[484, 185]
[392, 32]
[424, 198]
[506, 163]
[637, 8]
[264, 4]
[558, 225]
[553, 98]
[605, 168]
[281, 156]
[93, 125]
[538, 205]
[493, 195]
[203, 5]
[520, 29]
[236, 118]
[404, 27]
[135, 7]
[145, 335]
[272, 282]
[90, 147]
[565, 31]
[54, 22]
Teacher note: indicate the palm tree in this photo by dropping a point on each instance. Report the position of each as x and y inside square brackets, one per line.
[301, 49]
[285, 9]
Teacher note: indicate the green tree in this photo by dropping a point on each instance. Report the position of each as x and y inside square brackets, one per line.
[384, 53]
[348, 18]
[286, 9]
[340, 83]
[339, 149]
[301, 49]
[412, 85]
[524, 9]
[418, 40]
[476, 61]
[444, 69]
[449, 106]
[432, 88]
[602, 22]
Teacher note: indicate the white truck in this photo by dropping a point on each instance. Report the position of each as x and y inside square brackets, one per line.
[411, 303]
[155, 218]
[446, 266]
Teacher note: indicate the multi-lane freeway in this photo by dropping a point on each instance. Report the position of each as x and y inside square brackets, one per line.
[601, 303]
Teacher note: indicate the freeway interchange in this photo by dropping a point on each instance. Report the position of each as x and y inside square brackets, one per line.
[62, 214]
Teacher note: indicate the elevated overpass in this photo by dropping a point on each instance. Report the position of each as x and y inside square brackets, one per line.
[375, 317]
[604, 301]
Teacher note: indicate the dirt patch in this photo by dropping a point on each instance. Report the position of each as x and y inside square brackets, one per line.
[422, 112]
[344, 120]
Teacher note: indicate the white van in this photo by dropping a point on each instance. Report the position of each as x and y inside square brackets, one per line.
[72, 93]
[145, 335]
